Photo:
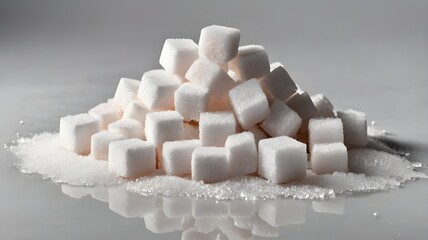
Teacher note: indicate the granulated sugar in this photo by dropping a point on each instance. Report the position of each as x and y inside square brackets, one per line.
[372, 171]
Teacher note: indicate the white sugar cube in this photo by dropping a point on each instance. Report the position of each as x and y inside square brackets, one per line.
[177, 206]
[241, 154]
[190, 131]
[137, 111]
[129, 128]
[105, 113]
[219, 44]
[323, 105]
[163, 126]
[100, 142]
[209, 164]
[190, 100]
[157, 222]
[278, 83]
[355, 128]
[208, 209]
[215, 127]
[302, 104]
[282, 120]
[282, 159]
[282, 212]
[128, 204]
[126, 92]
[325, 130]
[177, 55]
[258, 133]
[329, 158]
[75, 132]
[249, 103]
[209, 75]
[251, 62]
[177, 156]
[131, 158]
[157, 89]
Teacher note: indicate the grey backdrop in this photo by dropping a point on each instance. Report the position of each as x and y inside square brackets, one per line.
[62, 57]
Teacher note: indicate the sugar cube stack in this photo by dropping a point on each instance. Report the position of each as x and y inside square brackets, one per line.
[215, 110]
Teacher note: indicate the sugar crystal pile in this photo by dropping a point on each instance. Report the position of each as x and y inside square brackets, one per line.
[216, 110]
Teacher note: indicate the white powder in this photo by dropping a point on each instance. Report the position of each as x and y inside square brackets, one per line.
[376, 171]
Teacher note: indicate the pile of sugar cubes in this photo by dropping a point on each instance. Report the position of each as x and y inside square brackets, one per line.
[216, 110]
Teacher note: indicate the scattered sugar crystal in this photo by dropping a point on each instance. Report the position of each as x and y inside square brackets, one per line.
[105, 113]
[354, 127]
[282, 159]
[282, 120]
[209, 75]
[278, 84]
[177, 55]
[21, 122]
[177, 156]
[219, 44]
[157, 89]
[251, 62]
[325, 130]
[324, 107]
[129, 128]
[137, 111]
[190, 100]
[302, 104]
[215, 127]
[131, 158]
[249, 103]
[241, 154]
[100, 143]
[126, 92]
[76, 131]
[163, 126]
[329, 158]
[209, 164]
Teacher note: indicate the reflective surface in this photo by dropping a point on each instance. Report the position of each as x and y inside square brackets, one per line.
[64, 57]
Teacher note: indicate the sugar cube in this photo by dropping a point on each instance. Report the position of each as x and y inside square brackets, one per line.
[219, 44]
[324, 107]
[209, 75]
[251, 62]
[126, 92]
[355, 128]
[258, 133]
[302, 104]
[282, 120]
[75, 132]
[105, 113]
[278, 84]
[190, 100]
[129, 128]
[325, 130]
[177, 55]
[163, 126]
[329, 158]
[177, 156]
[249, 103]
[157, 89]
[190, 131]
[137, 111]
[131, 158]
[241, 154]
[282, 159]
[209, 164]
[215, 127]
[100, 142]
